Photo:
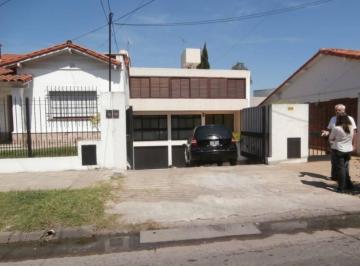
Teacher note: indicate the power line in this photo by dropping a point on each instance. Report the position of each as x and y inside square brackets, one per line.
[115, 39]
[117, 19]
[3, 3]
[135, 10]
[108, 2]
[229, 19]
[103, 9]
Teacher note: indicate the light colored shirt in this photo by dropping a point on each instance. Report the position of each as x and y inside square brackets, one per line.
[332, 122]
[340, 140]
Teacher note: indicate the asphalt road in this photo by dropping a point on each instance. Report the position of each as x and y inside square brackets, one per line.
[319, 248]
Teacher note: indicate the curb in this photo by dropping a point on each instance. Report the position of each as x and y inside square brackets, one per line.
[16, 246]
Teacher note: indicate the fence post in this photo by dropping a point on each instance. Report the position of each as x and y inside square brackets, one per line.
[28, 127]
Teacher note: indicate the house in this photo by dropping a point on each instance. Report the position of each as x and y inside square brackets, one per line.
[48, 98]
[49, 102]
[169, 102]
[328, 78]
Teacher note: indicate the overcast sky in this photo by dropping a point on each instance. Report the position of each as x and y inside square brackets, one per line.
[272, 47]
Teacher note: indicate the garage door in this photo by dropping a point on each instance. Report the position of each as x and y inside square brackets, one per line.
[151, 157]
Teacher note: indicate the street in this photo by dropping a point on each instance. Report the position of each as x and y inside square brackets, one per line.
[340, 247]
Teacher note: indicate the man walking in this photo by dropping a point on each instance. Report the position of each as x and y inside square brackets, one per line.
[339, 110]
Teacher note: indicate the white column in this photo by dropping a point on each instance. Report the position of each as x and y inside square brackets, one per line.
[112, 149]
[17, 109]
[169, 139]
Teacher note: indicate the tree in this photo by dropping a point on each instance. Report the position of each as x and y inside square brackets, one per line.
[204, 59]
[239, 66]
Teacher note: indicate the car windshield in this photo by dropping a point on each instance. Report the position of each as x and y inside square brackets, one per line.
[203, 132]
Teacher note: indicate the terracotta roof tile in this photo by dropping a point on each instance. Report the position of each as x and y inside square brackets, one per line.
[18, 58]
[355, 54]
[15, 78]
[4, 71]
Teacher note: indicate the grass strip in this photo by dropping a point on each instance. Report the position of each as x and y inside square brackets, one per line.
[39, 210]
[44, 152]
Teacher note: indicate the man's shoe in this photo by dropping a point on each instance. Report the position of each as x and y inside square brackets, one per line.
[339, 190]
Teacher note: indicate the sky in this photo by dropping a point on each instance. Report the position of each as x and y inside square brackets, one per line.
[272, 47]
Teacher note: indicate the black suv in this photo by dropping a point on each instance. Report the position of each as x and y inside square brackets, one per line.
[210, 144]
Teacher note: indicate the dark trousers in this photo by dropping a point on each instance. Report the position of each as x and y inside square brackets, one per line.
[333, 169]
[341, 169]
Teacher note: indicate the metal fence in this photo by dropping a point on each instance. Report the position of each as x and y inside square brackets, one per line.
[319, 116]
[48, 126]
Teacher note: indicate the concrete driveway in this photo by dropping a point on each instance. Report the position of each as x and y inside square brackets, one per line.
[243, 193]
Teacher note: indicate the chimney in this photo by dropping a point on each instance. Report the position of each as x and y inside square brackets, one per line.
[190, 58]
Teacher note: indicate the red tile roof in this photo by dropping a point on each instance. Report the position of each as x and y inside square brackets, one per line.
[15, 78]
[345, 53]
[13, 59]
[4, 71]
[355, 54]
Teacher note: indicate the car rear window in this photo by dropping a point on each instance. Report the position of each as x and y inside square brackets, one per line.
[204, 132]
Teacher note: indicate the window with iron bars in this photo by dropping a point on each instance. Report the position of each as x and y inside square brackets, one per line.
[72, 105]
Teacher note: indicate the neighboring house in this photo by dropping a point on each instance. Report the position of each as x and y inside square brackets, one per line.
[61, 83]
[169, 102]
[330, 77]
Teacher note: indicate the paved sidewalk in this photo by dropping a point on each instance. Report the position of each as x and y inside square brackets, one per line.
[244, 193]
[52, 180]
[210, 194]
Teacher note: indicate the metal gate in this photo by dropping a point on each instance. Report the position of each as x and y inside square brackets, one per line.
[254, 126]
[319, 116]
[129, 137]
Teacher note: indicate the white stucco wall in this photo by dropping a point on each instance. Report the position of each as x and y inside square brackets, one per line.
[327, 78]
[288, 121]
[68, 70]
[42, 164]
[111, 151]
[188, 104]
[64, 71]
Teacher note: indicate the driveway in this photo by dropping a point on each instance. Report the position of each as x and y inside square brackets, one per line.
[243, 193]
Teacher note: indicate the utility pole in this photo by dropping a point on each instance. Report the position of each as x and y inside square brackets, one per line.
[110, 23]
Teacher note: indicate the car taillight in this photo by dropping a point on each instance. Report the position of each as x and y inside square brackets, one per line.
[193, 142]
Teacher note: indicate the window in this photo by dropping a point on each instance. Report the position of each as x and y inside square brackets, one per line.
[72, 104]
[183, 125]
[150, 127]
[218, 88]
[198, 87]
[140, 87]
[180, 88]
[220, 119]
[159, 87]
[236, 88]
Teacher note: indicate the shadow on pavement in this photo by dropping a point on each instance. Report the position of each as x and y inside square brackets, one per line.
[320, 184]
[302, 174]
[355, 191]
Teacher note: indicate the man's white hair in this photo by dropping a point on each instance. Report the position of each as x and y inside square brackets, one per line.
[340, 106]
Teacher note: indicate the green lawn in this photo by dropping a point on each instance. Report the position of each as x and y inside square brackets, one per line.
[40, 210]
[44, 152]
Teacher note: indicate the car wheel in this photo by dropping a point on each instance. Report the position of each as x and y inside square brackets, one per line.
[233, 162]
